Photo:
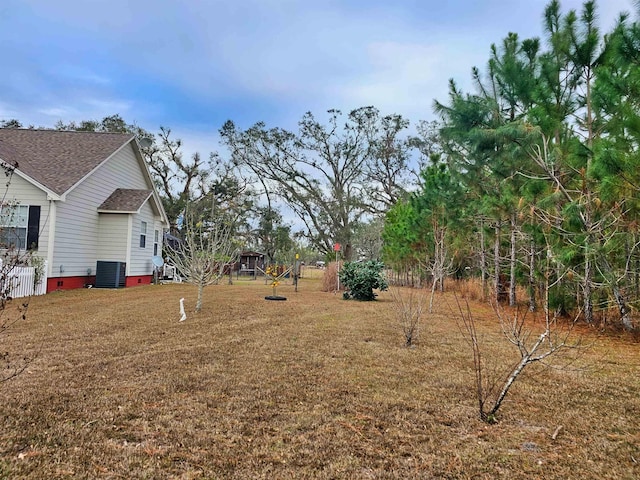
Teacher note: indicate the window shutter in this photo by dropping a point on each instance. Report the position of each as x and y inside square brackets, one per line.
[33, 227]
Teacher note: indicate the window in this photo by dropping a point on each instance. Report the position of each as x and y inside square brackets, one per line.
[14, 222]
[143, 234]
[156, 238]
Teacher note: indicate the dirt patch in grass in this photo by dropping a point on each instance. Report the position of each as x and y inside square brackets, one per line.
[314, 387]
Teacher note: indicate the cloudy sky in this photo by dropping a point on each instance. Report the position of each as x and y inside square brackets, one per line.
[191, 65]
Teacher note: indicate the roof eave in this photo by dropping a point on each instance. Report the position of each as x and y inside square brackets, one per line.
[164, 219]
[146, 199]
[102, 210]
[156, 197]
[51, 195]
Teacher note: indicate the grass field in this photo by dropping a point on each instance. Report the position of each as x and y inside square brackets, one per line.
[313, 387]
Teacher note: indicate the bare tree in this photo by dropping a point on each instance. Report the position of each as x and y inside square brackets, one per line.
[11, 364]
[428, 143]
[387, 168]
[207, 249]
[14, 254]
[440, 265]
[408, 306]
[551, 338]
[179, 181]
[324, 172]
[493, 387]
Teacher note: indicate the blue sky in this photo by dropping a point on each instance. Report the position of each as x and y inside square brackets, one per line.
[191, 65]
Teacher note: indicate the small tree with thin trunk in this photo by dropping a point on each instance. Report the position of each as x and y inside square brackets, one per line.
[440, 265]
[11, 364]
[491, 389]
[551, 339]
[408, 306]
[536, 342]
[12, 255]
[207, 249]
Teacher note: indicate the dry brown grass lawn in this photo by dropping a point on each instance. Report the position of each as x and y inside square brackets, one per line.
[314, 387]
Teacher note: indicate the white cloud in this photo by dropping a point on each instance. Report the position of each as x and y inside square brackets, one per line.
[85, 108]
[105, 105]
[80, 74]
[405, 78]
[262, 59]
[203, 141]
[56, 112]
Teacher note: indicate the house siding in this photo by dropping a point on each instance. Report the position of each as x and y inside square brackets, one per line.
[140, 258]
[28, 194]
[113, 232]
[78, 221]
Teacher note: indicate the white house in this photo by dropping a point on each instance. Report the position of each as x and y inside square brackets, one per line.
[83, 201]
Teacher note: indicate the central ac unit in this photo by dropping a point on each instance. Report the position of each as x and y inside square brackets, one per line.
[110, 274]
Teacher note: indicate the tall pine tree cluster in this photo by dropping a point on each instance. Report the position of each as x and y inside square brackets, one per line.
[537, 181]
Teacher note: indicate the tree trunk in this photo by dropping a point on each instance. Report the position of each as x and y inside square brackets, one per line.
[587, 301]
[525, 360]
[512, 266]
[443, 261]
[433, 291]
[497, 284]
[588, 271]
[625, 317]
[348, 252]
[636, 275]
[199, 300]
[532, 276]
[483, 262]
[439, 258]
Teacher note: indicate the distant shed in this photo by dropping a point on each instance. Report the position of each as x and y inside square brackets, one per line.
[249, 263]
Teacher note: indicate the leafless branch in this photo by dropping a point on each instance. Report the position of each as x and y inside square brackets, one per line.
[408, 308]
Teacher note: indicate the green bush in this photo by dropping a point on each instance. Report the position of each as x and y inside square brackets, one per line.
[361, 278]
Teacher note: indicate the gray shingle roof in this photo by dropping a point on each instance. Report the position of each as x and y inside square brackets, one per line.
[125, 200]
[57, 159]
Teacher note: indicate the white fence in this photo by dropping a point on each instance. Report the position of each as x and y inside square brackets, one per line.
[21, 281]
